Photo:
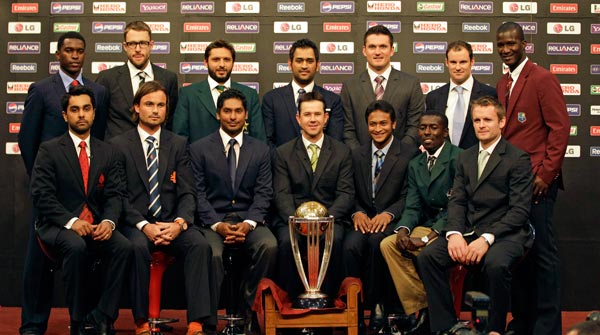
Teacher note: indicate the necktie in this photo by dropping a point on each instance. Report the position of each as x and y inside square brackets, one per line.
[458, 121]
[508, 87]
[142, 76]
[430, 162]
[86, 214]
[74, 83]
[378, 165]
[152, 162]
[300, 93]
[481, 162]
[220, 88]
[379, 87]
[314, 156]
[231, 161]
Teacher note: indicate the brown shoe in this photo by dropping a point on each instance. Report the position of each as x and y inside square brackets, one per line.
[143, 328]
[195, 328]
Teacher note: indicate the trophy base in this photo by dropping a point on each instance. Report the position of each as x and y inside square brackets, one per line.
[305, 301]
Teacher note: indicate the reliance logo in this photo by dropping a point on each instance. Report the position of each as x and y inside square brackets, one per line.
[529, 27]
[476, 7]
[282, 47]
[337, 68]
[198, 7]
[242, 27]
[563, 48]
[23, 48]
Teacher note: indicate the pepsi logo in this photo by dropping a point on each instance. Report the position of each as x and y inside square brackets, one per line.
[56, 7]
[12, 107]
[186, 67]
[98, 27]
[326, 7]
[419, 47]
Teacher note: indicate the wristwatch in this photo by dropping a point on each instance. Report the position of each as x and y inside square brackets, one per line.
[182, 225]
[425, 239]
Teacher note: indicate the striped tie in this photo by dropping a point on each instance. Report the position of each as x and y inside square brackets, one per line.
[379, 87]
[378, 165]
[314, 156]
[152, 162]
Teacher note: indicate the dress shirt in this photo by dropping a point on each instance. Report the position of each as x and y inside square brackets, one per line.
[67, 80]
[453, 99]
[385, 74]
[516, 73]
[319, 144]
[212, 84]
[295, 87]
[135, 78]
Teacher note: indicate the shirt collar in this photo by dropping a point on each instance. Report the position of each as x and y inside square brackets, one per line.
[491, 148]
[384, 149]
[67, 80]
[133, 71]
[308, 88]
[143, 134]
[319, 143]
[436, 154]
[385, 74]
[225, 138]
[212, 83]
[515, 74]
[76, 140]
[467, 85]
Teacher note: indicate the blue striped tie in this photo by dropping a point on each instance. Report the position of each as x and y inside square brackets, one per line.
[152, 163]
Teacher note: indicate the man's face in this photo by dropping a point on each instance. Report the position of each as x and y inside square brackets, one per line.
[152, 111]
[138, 54]
[79, 114]
[510, 48]
[312, 119]
[304, 66]
[432, 133]
[219, 64]
[232, 116]
[378, 50]
[459, 65]
[71, 56]
[381, 128]
[486, 123]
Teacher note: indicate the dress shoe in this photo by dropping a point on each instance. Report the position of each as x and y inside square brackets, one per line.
[377, 319]
[76, 328]
[98, 321]
[422, 325]
[142, 328]
[195, 328]
[404, 322]
[251, 323]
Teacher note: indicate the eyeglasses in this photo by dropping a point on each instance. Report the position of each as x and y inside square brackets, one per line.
[141, 44]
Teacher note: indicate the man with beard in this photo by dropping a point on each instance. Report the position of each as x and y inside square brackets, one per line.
[280, 105]
[196, 113]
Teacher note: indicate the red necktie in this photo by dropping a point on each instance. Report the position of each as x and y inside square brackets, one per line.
[86, 214]
[507, 94]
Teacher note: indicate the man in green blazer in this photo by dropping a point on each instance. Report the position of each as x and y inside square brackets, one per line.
[196, 114]
[430, 178]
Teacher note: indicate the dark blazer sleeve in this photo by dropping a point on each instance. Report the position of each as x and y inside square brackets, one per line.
[263, 188]
[414, 110]
[350, 137]
[172, 86]
[344, 194]
[255, 116]
[131, 215]
[102, 103]
[204, 210]
[412, 211]
[335, 125]
[458, 202]
[181, 114]
[284, 199]
[31, 126]
[186, 193]
[268, 111]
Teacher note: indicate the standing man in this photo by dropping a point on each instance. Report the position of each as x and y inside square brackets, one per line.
[430, 177]
[234, 185]
[79, 200]
[312, 167]
[123, 81]
[159, 213]
[487, 226]
[196, 113]
[381, 81]
[42, 121]
[538, 123]
[380, 183]
[454, 99]
[280, 106]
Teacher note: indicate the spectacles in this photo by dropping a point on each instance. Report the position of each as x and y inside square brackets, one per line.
[141, 44]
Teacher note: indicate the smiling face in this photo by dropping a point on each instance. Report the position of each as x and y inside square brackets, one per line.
[138, 53]
[510, 48]
[79, 115]
[459, 65]
[71, 56]
[432, 132]
[152, 111]
[378, 50]
[232, 116]
[487, 124]
[312, 119]
[381, 128]
[304, 66]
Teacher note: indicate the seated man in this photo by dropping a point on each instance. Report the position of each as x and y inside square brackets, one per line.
[234, 185]
[487, 225]
[430, 177]
[79, 201]
[159, 212]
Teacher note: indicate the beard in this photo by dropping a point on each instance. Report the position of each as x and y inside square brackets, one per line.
[215, 77]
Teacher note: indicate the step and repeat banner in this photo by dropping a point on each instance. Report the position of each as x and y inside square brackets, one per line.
[563, 37]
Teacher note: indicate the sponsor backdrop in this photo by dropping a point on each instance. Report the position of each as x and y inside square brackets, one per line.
[563, 37]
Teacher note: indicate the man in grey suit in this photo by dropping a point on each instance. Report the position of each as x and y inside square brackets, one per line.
[279, 106]
[456, 106]
[123, 81]
[381, 81]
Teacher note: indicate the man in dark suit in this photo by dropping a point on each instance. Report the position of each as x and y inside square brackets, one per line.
[234, 185]
[457, 106]
[487, 224]
[279, 106]
[159, 212]
[123, 81]
[196, 113]
[79, 201]
[430, 177]
[380, 183]
[312, 167]
[381, 81]
[537, 122]
[42, 121]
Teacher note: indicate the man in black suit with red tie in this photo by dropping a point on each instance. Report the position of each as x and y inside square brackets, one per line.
[79, 200]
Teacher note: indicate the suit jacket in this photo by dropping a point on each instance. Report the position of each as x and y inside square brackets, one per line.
[196, 114]
[403, 91]
[175, 178]
[391, 185]
[118, 83]
[437, 100]
[253, 191]
[57, 185]
[279, 112]
[294, 182]
[499, 202]
[42, 116]
[428, 192]
[537, 120]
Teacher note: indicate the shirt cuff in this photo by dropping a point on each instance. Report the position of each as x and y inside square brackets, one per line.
[140, 225]
[113, 225]
[391, 214]
[452, 232]
[252, 224]
[214, 226]
[69, 224]
[398, 229]
[489, 238]
[352, 216]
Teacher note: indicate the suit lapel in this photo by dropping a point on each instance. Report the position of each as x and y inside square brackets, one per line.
[324, 156]
[302, 156]
[206, 98]
[98, 157]
[136, 151]
[393, 83]
[164, 155]
[440, 165]
[389, 162]
[493, 161]
[243, 161]
[220, 157]
[70, 156]
[365, 166]
[518, 88]
[124, 82]
[367, 87]
[59, 88]
[291, 108]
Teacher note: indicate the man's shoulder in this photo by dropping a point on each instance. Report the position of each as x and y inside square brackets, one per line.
[403, 76]
[98, 88]
[244, 89]
[440, 90]
[337, 147]
[355, 79]
[122, 138]
[327, 94]
[195, 87]
[275, 92]
[167, 73]
[256, 144]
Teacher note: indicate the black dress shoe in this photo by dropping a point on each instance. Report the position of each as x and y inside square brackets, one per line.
[404, 322]
[377, 320]
[76, 328]
[422, 325]
[99, 322]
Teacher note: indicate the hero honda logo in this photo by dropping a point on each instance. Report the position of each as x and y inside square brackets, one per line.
[563, 68]
[202, 7]
[192, 47]
[337, 27]
[337, 68]
[290, 27]
[563, 28]
[109, 7]
[245, 7]
[245, 68]
[476, 27]
[528, 7]
[482, 48]
[440, 27]
[595, 110]
[384, 6]
[108, 27]
[66, 8]
[337, 47]
[429, 47]
[23, 48]
[160, 27]
[18, 87]
[242, 27]
[291, 7]
[571, 89]
[337, 7]
[151, 7]
[563, 48]
[564, 8]
[476, 7]
[15, 107]
[393, 26]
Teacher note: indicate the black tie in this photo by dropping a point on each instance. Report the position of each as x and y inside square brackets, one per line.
[430, 162]
[231, 161]
[301, 92]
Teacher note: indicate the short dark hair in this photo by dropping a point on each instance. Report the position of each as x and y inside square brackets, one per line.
[219, 44]
[69, 34]
[312, 96]
[145, 89]
[76, 91]
[231, 93]
[508, 26]
[303, 44]
[137, 26]
[586, 328]
[458, 45]
[441, 115]
[378, 30]
[488, 100]
[383, 106]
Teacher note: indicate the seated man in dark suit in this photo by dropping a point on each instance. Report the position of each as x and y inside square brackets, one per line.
[488, 214]
[312, 167]
[430, 178]
[234, 185]
[380, 167]
[79, 200]
[159, 211]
